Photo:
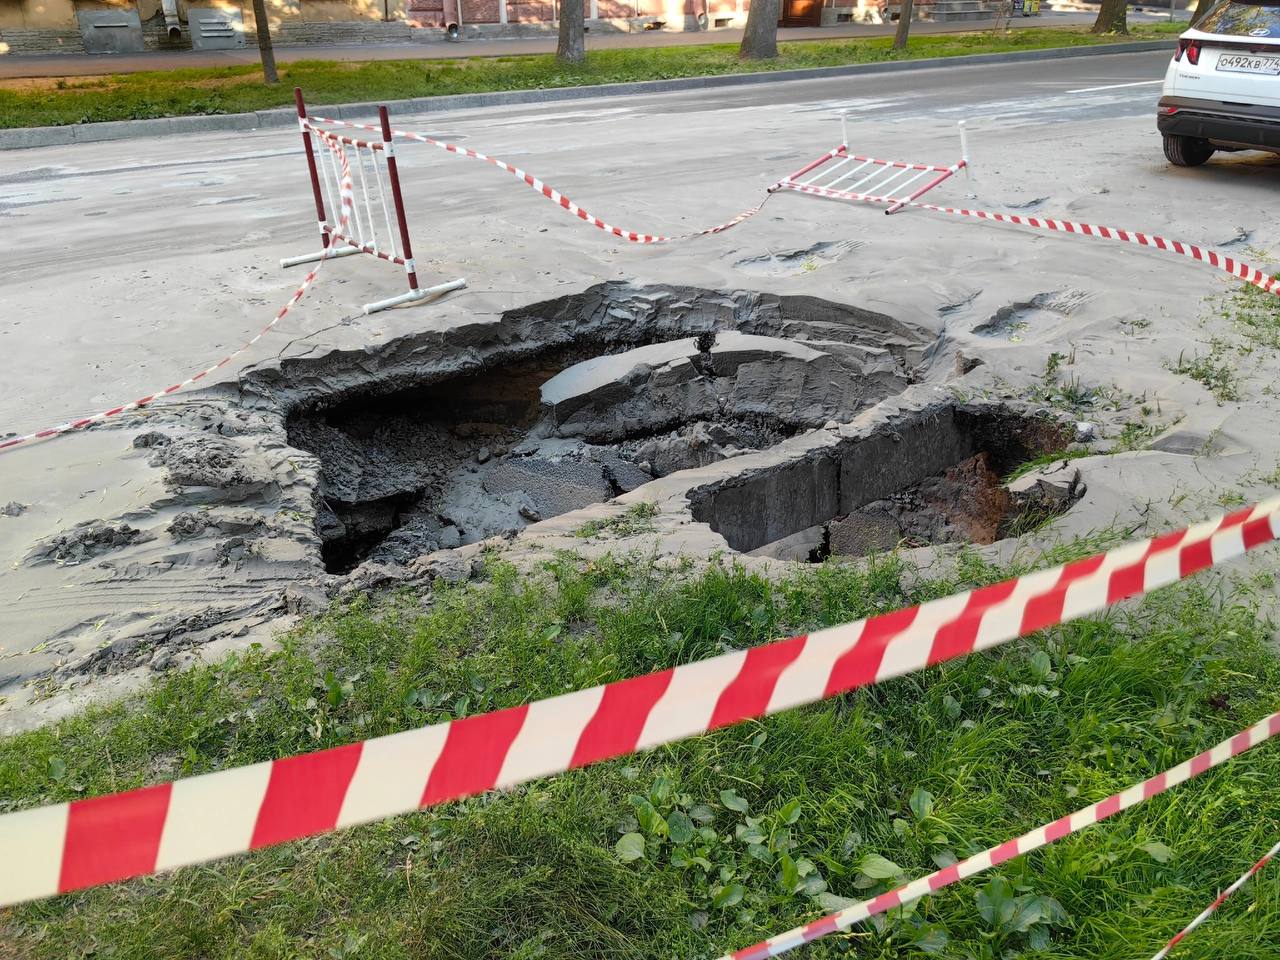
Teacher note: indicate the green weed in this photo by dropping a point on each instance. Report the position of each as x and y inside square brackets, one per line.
[1051, 365]
[1069, 394]
[1135, 435]
[637, 520]
[1216, 373]
[1255, 314]
[1037, 463]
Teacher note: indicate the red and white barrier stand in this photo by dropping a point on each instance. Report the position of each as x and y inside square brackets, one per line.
[378, 197]
[841, 175]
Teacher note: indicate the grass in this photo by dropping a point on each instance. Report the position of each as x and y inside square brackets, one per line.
[714, 842]
[1070, 394]
[1255, 314]
[638, 519]
[1213, 370]
[1053, 458]
[239, 89]
[1135, 435]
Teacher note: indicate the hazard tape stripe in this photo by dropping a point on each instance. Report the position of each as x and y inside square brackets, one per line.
[113, 837]
[1221, 899]
[348, 201]
[1213, 258]
[551, 194]
[1033, 840]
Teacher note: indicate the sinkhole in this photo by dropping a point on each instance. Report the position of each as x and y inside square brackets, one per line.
[575, 401]
[934, 478]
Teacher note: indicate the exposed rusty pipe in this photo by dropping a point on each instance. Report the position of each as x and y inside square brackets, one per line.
[173, 26]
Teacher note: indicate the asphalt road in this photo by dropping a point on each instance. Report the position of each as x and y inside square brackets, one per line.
[1045, 91]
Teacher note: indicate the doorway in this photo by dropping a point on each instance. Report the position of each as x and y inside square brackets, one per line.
[801, 13]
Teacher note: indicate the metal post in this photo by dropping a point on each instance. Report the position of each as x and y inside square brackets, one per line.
[311, 164]
[964, 150]
[397, 197]
[844, 131]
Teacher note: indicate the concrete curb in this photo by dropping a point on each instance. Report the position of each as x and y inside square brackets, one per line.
[23, 137]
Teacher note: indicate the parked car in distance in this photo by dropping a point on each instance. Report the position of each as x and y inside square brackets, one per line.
[1222, 89]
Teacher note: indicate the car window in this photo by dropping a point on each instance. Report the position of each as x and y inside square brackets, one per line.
[1243, 20]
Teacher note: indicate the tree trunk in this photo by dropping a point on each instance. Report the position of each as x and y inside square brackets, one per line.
[904, 25]
[1113, 17]
[760, 38]
[572, 47]
[264, 41]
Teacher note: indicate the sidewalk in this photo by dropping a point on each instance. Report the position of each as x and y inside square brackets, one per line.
[76, 65]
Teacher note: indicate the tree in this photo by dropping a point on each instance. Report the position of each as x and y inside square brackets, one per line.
[572, 47]
[1113, 17]
[904, 25]
[1202, 10]
[264, 41]
[760, 38]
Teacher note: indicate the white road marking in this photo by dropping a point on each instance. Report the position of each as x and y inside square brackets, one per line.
[1117, 86]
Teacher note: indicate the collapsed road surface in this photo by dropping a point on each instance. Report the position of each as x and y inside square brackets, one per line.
[575, 401]
[355, 469]
[821, 381]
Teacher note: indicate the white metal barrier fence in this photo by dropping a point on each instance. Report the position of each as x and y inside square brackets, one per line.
[841, 175]
[378, 225]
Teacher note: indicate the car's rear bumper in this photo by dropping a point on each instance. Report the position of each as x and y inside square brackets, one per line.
[1237, 125]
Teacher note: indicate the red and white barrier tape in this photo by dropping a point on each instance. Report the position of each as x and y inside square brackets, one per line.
[1222, 898]
[93, 841]
[1221, 261]
[1213, 258]
[551, 194]
[348, 191]
[1034, 840]
[1237, 268]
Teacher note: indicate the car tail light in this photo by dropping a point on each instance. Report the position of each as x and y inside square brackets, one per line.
[1192, 50]
[1166, 111]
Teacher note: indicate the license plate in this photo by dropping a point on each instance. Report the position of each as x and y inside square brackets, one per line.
[1243, 63]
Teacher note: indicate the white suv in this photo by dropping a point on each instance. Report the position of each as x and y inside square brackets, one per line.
[1222, 90]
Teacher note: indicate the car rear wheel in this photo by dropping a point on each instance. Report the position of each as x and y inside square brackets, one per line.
[1186, 151]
